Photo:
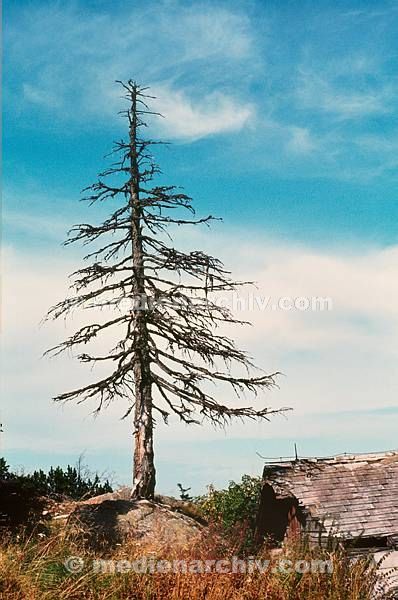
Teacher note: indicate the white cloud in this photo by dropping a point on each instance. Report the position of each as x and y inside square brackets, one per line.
[44, 97]
[301, 141]
[215, 113]
[39, 225]
[216, 70]
[342, 91]
[333, 361]
[210, 32]
[77, 58]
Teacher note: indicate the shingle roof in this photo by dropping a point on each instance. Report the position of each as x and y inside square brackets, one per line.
[355, 495]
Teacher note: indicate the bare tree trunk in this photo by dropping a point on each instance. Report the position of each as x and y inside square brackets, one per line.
[144, 469]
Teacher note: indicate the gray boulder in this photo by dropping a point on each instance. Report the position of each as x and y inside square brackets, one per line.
[113, 520]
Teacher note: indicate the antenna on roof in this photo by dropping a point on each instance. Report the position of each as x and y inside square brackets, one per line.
[295, 451]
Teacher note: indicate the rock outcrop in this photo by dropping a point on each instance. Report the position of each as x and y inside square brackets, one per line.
[113, 518]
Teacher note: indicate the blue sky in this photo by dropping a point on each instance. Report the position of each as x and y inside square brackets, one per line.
[283, 118]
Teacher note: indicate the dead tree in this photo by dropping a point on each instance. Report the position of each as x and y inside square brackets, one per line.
[168, 351]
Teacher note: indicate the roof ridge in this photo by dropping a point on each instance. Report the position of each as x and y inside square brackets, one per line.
[332, 459]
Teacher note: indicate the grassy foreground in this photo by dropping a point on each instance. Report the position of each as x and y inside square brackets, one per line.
[34, 569]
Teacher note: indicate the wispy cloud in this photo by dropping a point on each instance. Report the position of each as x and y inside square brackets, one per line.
[80, 54]
[186, 119]
[332, 93]
[343, 359]
[301, 140]
[40, 96]
[309, 99]
[38, 226]
[317, 351]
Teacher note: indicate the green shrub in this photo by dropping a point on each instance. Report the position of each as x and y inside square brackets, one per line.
[234, 507]
[4, 469]
[23, 496]
[70, 482]
[73, 482]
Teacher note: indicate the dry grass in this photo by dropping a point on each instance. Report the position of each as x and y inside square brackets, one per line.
[34, 569]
